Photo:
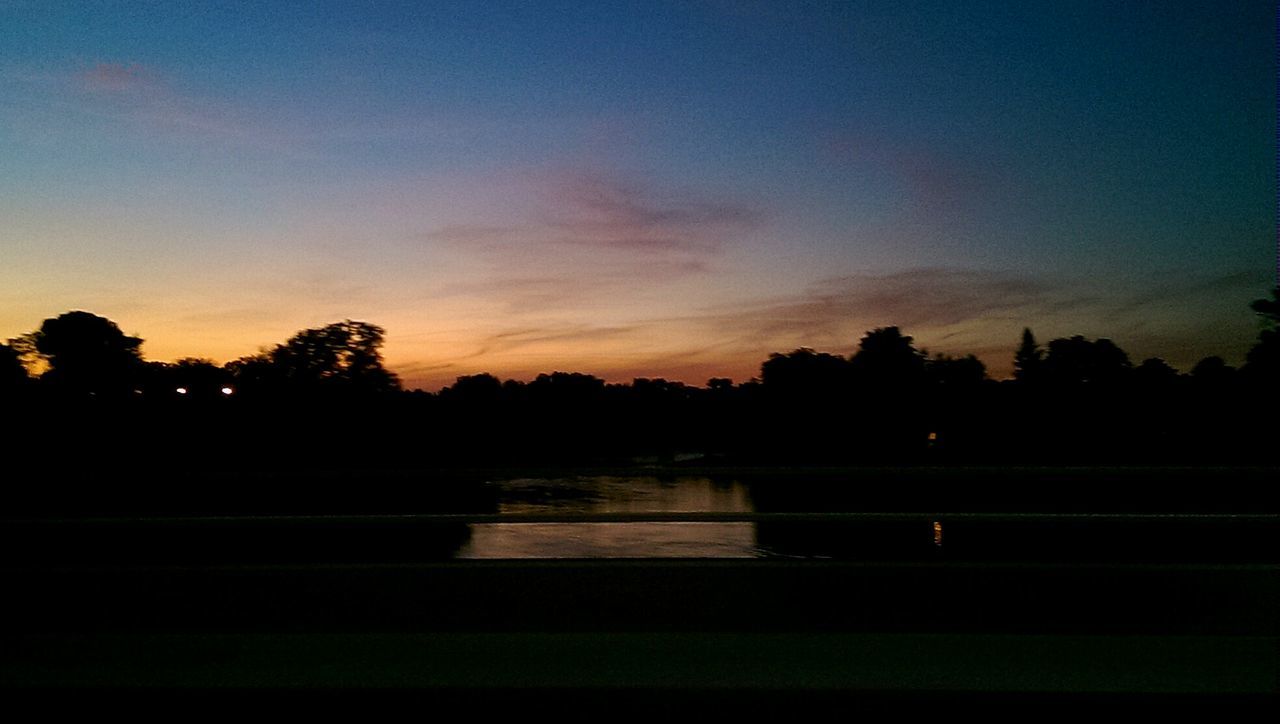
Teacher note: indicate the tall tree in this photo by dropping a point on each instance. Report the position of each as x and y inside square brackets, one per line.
[1028, 361]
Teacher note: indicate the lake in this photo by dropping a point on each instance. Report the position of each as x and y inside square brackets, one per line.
[704, 517]
[916, 516]
[616, 496]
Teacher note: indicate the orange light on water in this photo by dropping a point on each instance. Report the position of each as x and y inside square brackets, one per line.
[937, 533]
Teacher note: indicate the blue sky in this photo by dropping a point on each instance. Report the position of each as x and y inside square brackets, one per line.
[656, 189]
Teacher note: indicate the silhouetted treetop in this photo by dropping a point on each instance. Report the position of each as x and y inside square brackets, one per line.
[803, 371]
[885, 355]
[1262, 363]
[1269, 308]
[568, 388]
[1078, 360]
[189, 377]
[1212, 371]
[1074, 399]
[956, 372]
[1154, 371]
[341, 357]
[87, 354]
[483, 388]
[1028, 361]
[658, 389]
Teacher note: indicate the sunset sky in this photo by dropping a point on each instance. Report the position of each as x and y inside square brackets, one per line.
[640, 189]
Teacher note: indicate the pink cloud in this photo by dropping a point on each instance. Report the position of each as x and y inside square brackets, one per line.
[931, 176]
[592, 236]
[144, 97]
[597, 210]
[117, 77]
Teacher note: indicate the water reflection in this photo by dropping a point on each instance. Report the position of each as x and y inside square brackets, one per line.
[611, 540]
[814, 527]
[620, 495]
[615, 494]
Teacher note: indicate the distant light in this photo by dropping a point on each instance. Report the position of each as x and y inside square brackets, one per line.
[227, 390]
[937, 533]
[181, 390]
[137, 392]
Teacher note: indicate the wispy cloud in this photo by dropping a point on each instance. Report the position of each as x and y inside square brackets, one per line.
[600, 211]
[590, 235]
[516, 338]
[982, 311]
[611, 214]
[947, 310]
[145, 99]
[928, 176]
[108, 77]
[835, 308]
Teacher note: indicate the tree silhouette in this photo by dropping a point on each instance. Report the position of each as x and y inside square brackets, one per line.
[482, 389]
[257, 375]
[13, 375]
[1212, 371]
[197, 378]
[1077, 360]
[340, 357]
[569, 388]
[886, 356]
[1028, 361]
[1262, 363]
[889, 402]
[87, 354]
[804, 373]
[1269, 308]
[956, 372]
[1154, 372]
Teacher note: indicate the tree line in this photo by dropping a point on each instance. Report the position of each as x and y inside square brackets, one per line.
[1070, 399]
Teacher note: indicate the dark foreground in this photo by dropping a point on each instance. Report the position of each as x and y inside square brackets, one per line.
[1138, 609]
[704, 627]
[799, 632]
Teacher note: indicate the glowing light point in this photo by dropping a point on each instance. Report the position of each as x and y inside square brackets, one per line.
[227, 390]
[181, 390]
[937, 533]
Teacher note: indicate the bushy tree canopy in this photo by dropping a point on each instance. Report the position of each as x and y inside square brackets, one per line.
[345, 356]
[88, 354]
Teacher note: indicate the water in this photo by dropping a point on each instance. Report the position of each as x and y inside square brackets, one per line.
[882, 518]
[612, 517]
[606, 495]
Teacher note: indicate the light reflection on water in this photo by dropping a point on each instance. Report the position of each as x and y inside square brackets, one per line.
[611, 540]
[616, 494]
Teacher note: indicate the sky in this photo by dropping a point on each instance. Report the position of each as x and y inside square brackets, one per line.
[640, 189]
